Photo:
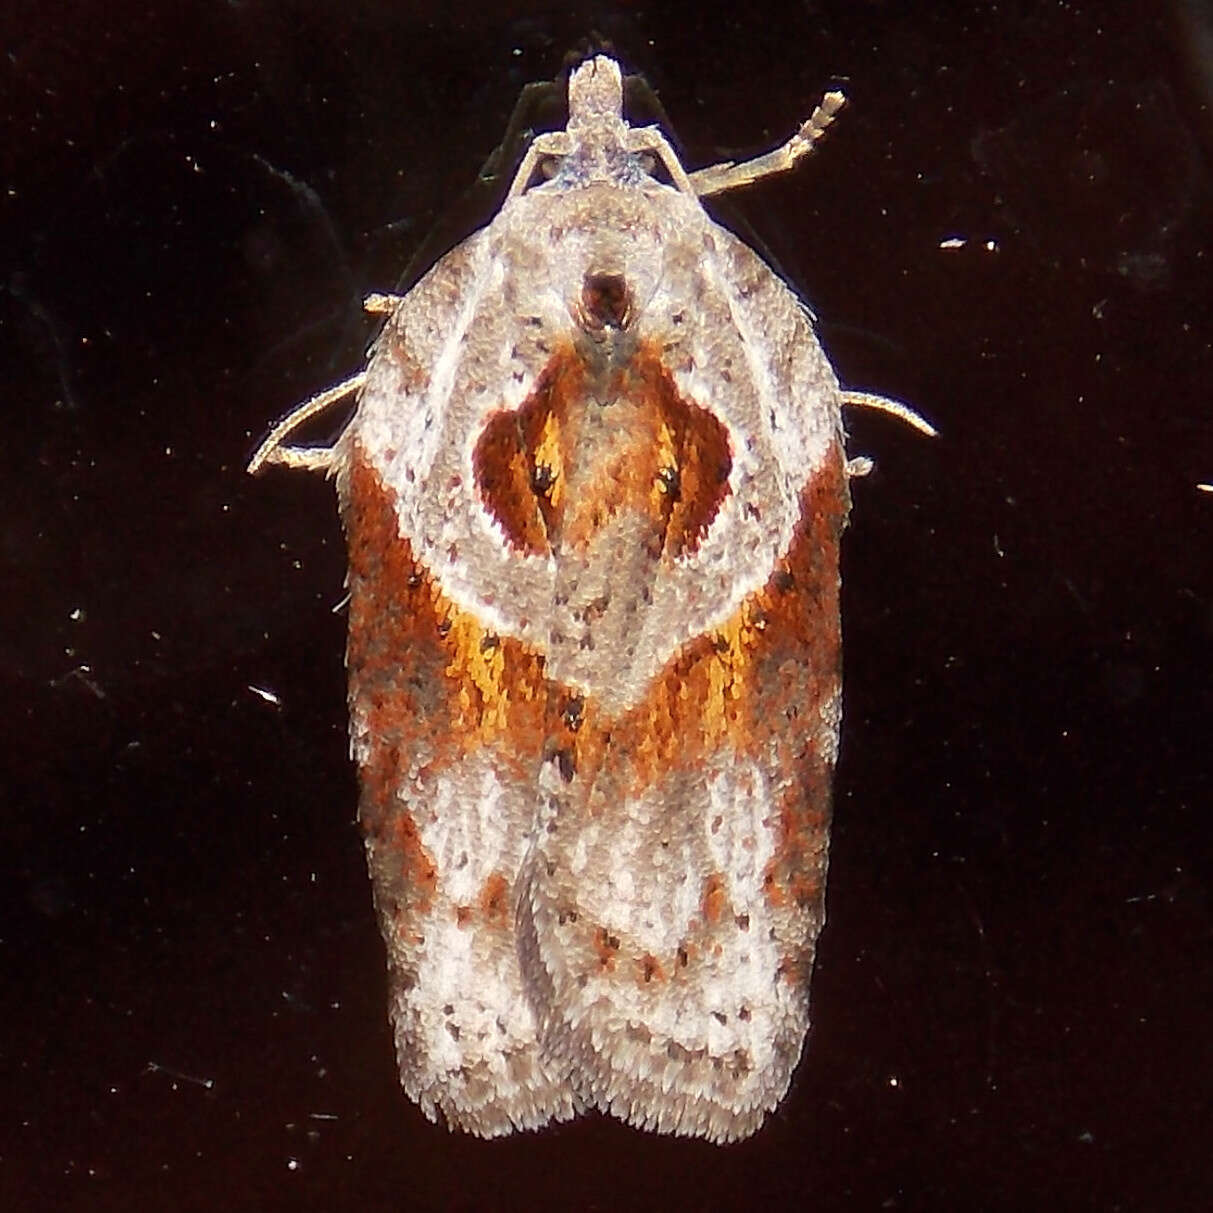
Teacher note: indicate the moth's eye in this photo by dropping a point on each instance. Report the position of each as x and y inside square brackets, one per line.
[546, 167]
[655, 167]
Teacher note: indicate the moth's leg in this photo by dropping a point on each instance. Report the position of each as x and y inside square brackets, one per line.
[308, 458]
[730, 175]
[376, 304]
[895, 408]
[551, 143]
[861, 465]
[650, 139]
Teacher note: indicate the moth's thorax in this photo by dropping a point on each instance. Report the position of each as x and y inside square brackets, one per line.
[595, 141]
[645, 235]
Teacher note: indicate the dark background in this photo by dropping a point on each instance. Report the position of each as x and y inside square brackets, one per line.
[1012, 1001]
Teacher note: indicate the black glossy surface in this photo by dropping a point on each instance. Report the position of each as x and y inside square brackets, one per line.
[1013, 993]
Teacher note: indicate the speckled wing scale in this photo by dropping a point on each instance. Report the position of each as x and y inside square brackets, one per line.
[593, 491]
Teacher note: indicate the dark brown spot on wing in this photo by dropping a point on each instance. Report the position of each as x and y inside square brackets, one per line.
[495, 900]
[714, 899]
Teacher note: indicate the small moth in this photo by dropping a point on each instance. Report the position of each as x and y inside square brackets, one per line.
[593, 492]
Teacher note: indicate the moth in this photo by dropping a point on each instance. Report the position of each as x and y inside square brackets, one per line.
[593, 492]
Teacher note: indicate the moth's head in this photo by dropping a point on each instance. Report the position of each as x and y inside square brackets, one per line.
[596, 98]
